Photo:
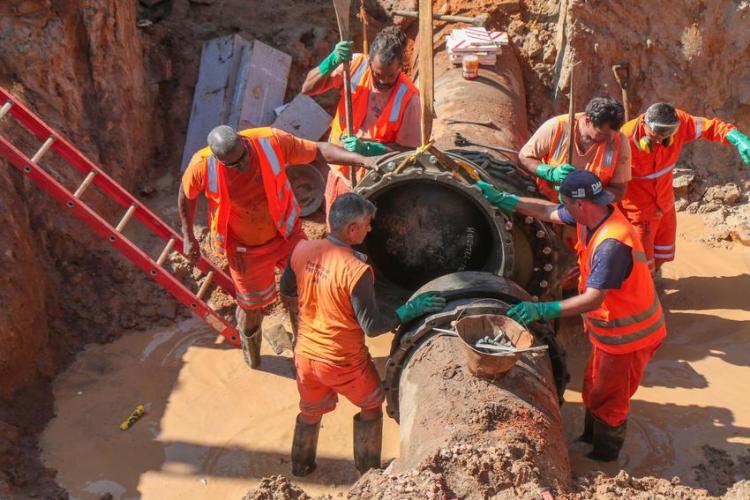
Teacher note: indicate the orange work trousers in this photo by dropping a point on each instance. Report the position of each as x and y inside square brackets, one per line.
[610, 380]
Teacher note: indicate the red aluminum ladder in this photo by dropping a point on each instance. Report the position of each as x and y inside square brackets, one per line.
[94, 175]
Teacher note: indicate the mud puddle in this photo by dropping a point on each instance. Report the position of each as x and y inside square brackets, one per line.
[212, 428]
[694, 394]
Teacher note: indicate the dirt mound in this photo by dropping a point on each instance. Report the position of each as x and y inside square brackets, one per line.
[277, 488]
[599, 486]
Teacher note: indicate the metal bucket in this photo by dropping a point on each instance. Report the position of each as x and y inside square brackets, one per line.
[482, 364]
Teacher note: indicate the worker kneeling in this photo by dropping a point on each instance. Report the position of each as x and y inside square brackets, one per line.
[617, 299]
[337, 308]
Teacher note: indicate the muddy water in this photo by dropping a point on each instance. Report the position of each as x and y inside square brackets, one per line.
[212, 427]
[695, 390]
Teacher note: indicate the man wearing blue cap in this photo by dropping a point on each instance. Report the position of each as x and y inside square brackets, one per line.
[621, 311]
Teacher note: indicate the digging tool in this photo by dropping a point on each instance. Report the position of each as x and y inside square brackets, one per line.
[621, 71]
[460, 140]
[342, 18]
[478, 21]
[426, 69]
[571, 118]
[483, 123]
[363, 18]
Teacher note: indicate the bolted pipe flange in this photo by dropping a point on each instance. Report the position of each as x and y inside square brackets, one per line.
[431, 222]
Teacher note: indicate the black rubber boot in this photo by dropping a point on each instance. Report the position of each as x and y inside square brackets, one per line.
[368, 441]
[588, 429]
[251, 347]
[304, 448]
[608, 441]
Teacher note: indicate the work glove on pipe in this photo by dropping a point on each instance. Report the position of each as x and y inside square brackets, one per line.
[554, 174]
[528, 312]
[365, 148]
[342, 52]
[504, 201]
[742, 143]
[428, 302]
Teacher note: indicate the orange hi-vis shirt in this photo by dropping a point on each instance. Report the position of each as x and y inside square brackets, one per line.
[631, 317]
[650, 192]
[399, 111]
[609, 160]
[328, 329]
[250, 222]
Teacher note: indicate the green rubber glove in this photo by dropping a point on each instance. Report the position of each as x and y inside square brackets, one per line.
[528, 312]
[554, 174]
[365, 148]
[342, 52]
[742, 143]
[504, 201]
[428, 302]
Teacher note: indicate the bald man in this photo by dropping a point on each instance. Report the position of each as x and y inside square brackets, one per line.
[253, 216]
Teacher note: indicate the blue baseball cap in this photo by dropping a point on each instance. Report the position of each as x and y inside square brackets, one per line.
[585, 185]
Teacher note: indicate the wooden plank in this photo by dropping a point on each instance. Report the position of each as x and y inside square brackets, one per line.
[265, 86]
[426, 68]
[304, 118]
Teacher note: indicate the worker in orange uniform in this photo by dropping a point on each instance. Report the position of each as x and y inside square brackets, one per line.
[252, 213]
[656, 139]
[337, 308]
[385, 103]
[599, 148]
[617, 299]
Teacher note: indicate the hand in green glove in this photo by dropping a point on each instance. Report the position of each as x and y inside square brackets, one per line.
[342, 52]
[742, 143]
[428, 302]
[365, 148]
[554, 174]
[528, 312]
[504, 201]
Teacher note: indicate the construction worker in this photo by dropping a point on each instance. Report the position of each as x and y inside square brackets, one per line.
[617, 299]
[656, 139]
[337, 308]
[252, 213]
[599, 148]
[385, 103]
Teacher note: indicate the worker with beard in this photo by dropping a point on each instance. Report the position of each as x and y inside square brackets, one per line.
[385, 103]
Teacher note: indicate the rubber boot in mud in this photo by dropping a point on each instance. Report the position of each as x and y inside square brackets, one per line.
[608, 441]
[304, 447]
[588, 429]
[368, 441]
[251, 347]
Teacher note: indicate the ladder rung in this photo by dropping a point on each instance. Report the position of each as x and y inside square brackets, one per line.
[165, 253]
[125, 218]
[5, 108]
[85, 184]
[205, 284]
[45, 147]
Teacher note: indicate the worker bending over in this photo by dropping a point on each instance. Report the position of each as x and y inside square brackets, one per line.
[599, 147]
[337, 308]
[385, 103]
[617, 299]
[656, 139]
[252, 213]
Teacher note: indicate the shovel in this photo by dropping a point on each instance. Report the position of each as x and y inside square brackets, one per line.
[342, 18]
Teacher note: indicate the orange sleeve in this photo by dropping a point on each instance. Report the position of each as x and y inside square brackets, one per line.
[296, 150]
[194, 178]
[698, 127]
[539, 145]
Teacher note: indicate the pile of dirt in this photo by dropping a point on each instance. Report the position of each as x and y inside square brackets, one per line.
[276, 488]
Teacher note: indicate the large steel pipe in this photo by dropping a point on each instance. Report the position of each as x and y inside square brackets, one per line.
[441, 405]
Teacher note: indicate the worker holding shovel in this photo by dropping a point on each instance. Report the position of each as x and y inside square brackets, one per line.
[656, 140]
[617, 299]
[334, 288]
[385, 103]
